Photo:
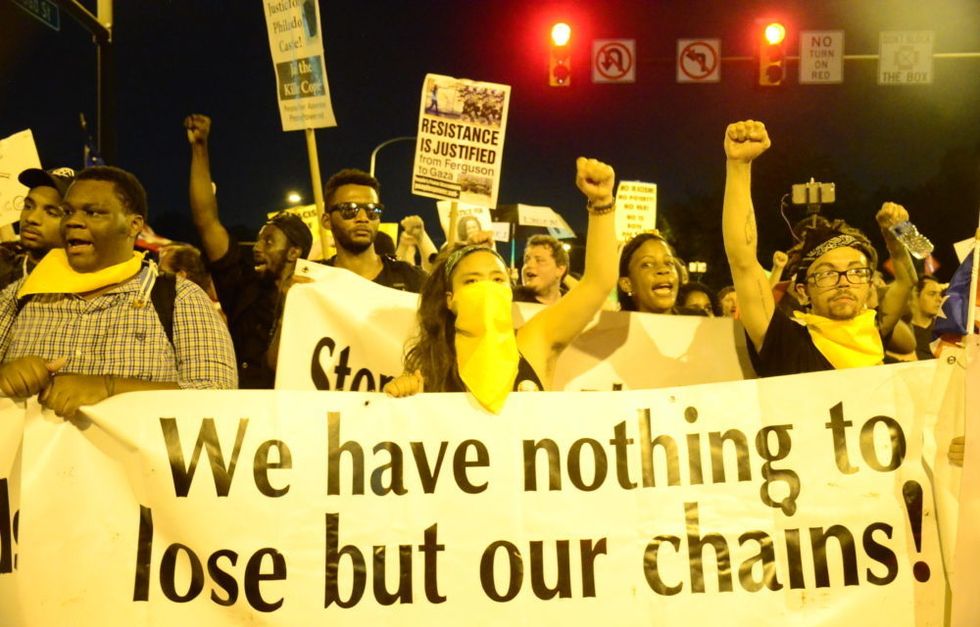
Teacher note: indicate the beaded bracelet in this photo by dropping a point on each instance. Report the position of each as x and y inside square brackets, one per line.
[601, 209]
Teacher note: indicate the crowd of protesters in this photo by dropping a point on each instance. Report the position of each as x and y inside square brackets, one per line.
[84, 317]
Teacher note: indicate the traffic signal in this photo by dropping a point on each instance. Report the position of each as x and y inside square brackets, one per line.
[560, 68]
[771, 56]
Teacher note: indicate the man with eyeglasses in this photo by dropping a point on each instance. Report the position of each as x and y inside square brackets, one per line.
[251, 291]
[832, 266]
[353, 213]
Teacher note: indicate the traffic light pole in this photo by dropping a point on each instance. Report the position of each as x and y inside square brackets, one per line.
[100, 25]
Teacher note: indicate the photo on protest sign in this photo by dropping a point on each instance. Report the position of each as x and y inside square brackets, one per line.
[17, 153]
[460, 144]
[296, 43]
[470, 219]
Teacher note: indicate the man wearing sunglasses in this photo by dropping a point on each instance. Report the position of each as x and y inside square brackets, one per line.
[833, 266]
[353, 213]
[251, 288]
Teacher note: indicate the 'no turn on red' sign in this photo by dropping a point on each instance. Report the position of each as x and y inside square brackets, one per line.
[698, 60]
[821, 57]
[614, 61]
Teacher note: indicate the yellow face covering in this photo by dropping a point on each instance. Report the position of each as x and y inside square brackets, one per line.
[54, 275]
[853, 343]
[486, 348]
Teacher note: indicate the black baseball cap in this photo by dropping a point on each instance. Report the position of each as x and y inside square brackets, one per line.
[58, 178]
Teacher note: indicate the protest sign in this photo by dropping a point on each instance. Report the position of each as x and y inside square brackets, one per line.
[356, 342]
[459, 150]
[297, 55]
[636, 209]
[469, 220]
[17, 153]
[758, 501]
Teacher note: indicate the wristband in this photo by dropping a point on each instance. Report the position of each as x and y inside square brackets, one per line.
[598, 210]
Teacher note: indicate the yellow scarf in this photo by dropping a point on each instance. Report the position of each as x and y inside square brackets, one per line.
[853, 343]
[54, 275]
[486, 348]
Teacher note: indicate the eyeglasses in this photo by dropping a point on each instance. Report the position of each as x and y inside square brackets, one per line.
[830, 278]
[349, 210]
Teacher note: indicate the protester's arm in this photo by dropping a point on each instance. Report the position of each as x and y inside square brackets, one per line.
[204, 204]
[779, 260]
[744, 141]
[554, 327]
[893, 303]
[406, 249]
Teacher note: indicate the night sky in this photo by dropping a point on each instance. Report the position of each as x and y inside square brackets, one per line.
[918, 145]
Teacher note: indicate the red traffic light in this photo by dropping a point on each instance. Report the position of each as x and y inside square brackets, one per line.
[774, 33]
[560, 68]
[561, 33]
[771, 55]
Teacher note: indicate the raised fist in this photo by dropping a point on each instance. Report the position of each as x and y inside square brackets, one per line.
[595, 179]
[744, 141]
[891, 214]
[198, 128]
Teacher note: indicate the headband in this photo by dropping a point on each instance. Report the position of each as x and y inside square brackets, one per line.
[453, 260]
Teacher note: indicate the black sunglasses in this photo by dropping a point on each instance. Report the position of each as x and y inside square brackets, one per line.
[349, 210]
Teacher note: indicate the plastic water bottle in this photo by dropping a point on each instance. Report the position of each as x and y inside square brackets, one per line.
[917, 244]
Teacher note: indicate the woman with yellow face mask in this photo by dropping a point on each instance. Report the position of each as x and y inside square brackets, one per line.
[466, 339]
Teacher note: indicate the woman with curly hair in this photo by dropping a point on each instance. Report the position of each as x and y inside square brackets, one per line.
[466, 339]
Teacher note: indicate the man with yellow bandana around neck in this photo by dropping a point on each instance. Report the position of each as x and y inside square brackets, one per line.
[833, 280]
[466, 339]
[81, 327]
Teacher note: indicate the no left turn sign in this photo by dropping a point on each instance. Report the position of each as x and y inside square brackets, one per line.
[698, 60]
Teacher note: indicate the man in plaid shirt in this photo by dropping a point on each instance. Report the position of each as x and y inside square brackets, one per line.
[82, 328]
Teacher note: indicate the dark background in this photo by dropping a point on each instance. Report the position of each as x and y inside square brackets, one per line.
[917, 145]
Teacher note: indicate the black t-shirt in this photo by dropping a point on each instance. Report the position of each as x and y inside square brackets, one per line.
[252, 306]
[786, 349]
[396, 274]
[923, 337]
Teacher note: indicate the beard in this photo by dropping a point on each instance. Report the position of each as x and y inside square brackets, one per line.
[342, 240]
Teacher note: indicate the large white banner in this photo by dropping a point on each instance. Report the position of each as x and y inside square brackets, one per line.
[460, 145]
[794, 500]
[296, 44]
[344, 332]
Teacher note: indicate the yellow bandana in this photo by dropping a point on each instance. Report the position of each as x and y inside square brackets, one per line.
[54, 275]
[486, 348]
[853, 343]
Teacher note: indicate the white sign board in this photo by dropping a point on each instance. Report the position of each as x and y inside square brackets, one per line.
[905, 57]
[17, 153]
[636, 209]
[297, 54]
[821, 57]
[698, 60]
[614, 61]
[460, 146]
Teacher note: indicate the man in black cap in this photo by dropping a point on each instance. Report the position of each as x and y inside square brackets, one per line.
[251, 292]
[832, 265]
[40, 221]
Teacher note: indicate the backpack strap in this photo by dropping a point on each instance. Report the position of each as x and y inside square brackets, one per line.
[162, 295]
